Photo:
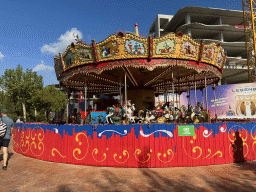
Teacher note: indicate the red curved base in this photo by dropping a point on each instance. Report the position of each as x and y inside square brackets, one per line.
[143, 150]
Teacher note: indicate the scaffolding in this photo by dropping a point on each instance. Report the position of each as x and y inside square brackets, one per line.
[249, 7]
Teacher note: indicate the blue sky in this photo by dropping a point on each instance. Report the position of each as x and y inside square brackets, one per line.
[33, 31]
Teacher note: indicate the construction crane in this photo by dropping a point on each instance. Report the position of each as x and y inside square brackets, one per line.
[249, 12]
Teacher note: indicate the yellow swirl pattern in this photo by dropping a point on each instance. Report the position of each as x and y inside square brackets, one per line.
[54, 149]
[218, 152]
[24, 143]
[253, 146]
[124, 153]
[193, 150]
[33, 138]
[210, 151]
[27, 137]
[247, 149]
[138, 152]
[39, 147]
[169, 153]
[229, 137]
[254, 138]
[95, 151]
[244, 139]
[79, 150]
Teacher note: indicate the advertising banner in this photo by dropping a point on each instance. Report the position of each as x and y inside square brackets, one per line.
[236, 101]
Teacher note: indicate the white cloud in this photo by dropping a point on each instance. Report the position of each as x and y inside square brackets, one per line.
[43, 67]
[1, 55]
[62, 43]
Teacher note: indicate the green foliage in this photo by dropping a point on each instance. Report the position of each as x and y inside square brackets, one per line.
[49, 99]
[27, 87]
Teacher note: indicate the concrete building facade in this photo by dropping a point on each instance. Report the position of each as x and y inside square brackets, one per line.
[212, 26]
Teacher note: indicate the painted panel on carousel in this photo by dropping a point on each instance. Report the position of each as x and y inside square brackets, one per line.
[99, 117]
[84, 54]
[165, 47]
[208, 53]
[69, 59]
[220, 58]
[134, 47]
[188, 49]
[109, 49]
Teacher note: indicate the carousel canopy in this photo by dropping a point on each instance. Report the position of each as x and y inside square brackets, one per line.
[172, 62]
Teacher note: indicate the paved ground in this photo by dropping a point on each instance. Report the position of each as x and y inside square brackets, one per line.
[27, 174]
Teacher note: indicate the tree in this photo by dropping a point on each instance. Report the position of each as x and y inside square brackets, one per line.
[49, 99]
[20, 86]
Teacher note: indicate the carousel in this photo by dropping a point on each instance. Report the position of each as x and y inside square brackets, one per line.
[139, 69]
[134, 132]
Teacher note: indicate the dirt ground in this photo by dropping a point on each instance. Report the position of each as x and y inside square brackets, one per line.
[27, 174]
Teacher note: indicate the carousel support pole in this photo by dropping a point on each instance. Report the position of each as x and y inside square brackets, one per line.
[189, 94]
[167, 94]
[164, 92]
[158, 95]
[85, 102]
[173, 90]
[179, 91]
[67, 105]
[195, 89]
[177, 100]
[125, 84]
[121, 104]
[165, 99]
[202, 96]
[214, 88]
[206, 99]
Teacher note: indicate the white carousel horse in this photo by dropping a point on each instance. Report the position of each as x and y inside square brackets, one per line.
[111, 111]
[168, 116]
[149, 117]
[130, 110]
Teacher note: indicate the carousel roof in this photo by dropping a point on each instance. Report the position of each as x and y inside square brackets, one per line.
[173, 61]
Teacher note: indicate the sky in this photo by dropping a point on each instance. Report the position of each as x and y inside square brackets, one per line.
[33, 31]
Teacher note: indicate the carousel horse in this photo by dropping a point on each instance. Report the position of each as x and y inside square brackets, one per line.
[130, 110]
[197, 111]
[140, 118]
[149, 117]
[168, 106]
[177, 114]
[121, 112]
[168, 116]
[189, 113]
[111, 112]
[183, 111]
[161, 120]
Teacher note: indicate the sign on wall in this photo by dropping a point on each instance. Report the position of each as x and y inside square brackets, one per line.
[186, 130]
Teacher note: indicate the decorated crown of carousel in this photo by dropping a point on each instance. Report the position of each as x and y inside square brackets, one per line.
[154, 62]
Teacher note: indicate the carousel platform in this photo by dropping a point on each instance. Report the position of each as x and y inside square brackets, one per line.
[155, 145]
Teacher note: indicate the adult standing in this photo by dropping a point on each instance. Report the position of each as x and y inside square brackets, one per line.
[4, 142]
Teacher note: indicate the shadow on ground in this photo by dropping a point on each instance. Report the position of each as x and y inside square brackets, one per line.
[234, 177]
[64, 188]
